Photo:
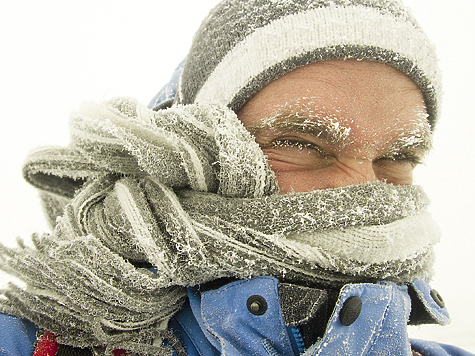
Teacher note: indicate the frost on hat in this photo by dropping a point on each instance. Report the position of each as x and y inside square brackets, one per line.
[243, 45]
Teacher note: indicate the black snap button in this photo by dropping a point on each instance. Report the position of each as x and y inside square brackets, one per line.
[256, 305]
[437, 298]
[350, 311]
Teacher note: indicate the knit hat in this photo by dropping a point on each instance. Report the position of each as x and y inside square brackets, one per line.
[243, 45]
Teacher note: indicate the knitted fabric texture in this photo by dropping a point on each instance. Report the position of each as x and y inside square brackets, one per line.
[243, 45]
[188, 191]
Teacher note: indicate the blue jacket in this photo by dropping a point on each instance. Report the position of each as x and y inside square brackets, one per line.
[260, 316]
[368, 319]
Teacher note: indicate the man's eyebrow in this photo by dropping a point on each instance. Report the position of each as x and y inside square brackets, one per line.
[321, 126]
[419, 138]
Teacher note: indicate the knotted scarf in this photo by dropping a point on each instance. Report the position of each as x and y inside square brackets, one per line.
[146, 204]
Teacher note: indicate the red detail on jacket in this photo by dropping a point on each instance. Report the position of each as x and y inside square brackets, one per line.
[120, 352]
[47, 345]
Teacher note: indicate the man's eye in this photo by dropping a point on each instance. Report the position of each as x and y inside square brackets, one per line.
[292, 153]
[302, 146]
[404, 158]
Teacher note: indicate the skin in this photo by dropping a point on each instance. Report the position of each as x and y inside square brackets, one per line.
[337, 123]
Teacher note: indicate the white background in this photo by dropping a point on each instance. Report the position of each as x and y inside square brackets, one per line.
[56, 54]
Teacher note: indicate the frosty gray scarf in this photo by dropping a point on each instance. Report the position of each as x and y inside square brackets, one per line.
[189, 191]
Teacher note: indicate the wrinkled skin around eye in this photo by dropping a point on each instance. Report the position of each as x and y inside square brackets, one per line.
[339, 123]
[308, 160]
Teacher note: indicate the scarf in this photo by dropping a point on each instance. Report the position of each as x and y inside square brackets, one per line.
[188, 192]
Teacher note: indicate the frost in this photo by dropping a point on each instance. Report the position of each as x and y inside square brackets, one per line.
[302, 116]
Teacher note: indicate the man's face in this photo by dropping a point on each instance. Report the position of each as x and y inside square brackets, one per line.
[337, 123]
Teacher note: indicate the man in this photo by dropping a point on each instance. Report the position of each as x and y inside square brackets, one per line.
[179, 232]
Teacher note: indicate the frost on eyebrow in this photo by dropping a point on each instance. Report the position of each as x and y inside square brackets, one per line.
[292, 118]
[413, 137]
[416, 135]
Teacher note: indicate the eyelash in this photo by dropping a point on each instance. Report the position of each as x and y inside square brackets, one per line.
[397, 157]
[298, 144]
[401, 157]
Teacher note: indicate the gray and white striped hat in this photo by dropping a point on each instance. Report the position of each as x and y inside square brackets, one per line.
[242, 45]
